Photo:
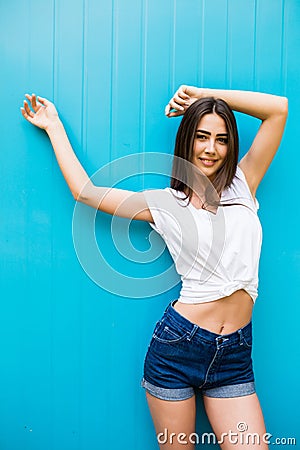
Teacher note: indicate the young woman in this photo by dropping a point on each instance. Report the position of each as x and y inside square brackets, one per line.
[204, 339]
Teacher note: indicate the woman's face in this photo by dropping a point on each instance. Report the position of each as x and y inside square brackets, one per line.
[210, 144]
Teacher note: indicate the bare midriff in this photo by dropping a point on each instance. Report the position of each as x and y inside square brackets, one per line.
[221, 316]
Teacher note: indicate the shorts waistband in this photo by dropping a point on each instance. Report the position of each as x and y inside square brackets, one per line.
[203, 333]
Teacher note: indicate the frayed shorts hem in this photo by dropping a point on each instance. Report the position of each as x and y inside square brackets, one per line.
[168, 394]
[229, 391]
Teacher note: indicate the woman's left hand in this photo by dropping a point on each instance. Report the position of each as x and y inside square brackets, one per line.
[182, 99]
[42, 113]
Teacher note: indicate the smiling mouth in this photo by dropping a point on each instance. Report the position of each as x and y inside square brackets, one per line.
[208, 162]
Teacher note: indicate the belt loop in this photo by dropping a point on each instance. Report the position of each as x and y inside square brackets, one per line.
[195, 328]
[241, 335]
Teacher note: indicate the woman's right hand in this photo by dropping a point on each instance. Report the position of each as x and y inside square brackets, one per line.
[181, 100]
[39, 111]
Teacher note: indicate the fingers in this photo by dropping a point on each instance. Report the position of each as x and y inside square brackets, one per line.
[178, 108]
[182, 92]
[169, 111]
[33, 100]
[175, 114]
[26, 115]
[27, 109]
[44, 101]
[180, 102]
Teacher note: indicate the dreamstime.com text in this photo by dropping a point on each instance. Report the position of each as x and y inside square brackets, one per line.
[239, 437]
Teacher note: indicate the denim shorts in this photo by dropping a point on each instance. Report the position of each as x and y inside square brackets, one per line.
[183, 358]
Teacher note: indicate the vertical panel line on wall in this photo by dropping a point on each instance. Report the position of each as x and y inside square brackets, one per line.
[54, 49]
[227, 47]
[84, 151]
[53, 166]
[111, 140]
[254, 46]
[172, 52]
[200, 80]
[283, 50]
[112, 77]
[84, 92]
[143, 81]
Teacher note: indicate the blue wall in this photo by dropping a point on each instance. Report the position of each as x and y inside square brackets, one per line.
[71, 350]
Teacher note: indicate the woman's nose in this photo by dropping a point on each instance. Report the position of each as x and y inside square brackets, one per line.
[210, 148]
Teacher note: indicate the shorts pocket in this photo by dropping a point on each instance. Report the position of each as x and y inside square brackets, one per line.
[247, 341]
[157, 326]
[169, 333]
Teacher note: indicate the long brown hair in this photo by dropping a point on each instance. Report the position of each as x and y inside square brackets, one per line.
[181, 176]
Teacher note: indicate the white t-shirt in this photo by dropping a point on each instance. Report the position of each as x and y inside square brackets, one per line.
[215, 253]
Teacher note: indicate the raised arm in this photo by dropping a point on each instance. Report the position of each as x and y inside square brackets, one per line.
[270, 109]
[43, 114]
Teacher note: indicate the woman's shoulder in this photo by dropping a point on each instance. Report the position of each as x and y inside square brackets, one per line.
[166, 197]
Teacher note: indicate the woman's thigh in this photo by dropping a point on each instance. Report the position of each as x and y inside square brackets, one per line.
[174, 422]
[237, 422]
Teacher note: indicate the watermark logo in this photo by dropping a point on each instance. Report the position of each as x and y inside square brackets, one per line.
[111, 277]
[242, 426]
[240, 436]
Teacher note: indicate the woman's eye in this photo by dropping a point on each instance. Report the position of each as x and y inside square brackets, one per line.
[223, 140]
[201, 137]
